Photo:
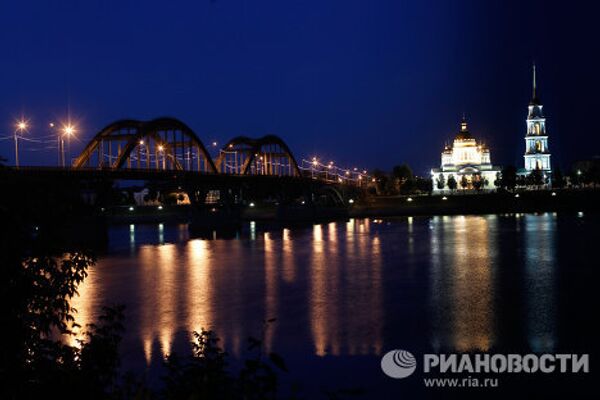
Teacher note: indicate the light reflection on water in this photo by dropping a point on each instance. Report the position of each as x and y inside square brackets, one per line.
[336, 289]
[463, 254]
[540, 266]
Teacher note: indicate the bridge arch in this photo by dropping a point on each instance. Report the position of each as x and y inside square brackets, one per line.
[162, 143]
[268, 155]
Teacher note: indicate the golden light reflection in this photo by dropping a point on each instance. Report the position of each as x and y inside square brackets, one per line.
[158, 313]
[83, 302]
[199, 286]
[376, 308]
[146, 259]
[346, 313]
[166, 295]
[289, 266]
[332, 232]
[147, 343]
[318, 300]
[271, 292]
[180, 288]
[462, 284]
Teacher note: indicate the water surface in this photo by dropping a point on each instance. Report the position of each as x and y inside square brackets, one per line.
[344, 293]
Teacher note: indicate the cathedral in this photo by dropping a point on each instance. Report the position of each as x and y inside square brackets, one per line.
[466, 164]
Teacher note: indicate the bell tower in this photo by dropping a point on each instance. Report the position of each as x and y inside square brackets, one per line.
[537, 153]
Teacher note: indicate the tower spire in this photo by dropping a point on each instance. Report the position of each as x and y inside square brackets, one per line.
[535, 101]
[534, 94]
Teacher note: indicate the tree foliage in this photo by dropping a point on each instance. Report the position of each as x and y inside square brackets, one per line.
[508, 180]
[452, 184]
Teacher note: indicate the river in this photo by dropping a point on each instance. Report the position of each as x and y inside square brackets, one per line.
[344, 293]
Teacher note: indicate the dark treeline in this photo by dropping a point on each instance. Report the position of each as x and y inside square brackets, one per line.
[402, 181]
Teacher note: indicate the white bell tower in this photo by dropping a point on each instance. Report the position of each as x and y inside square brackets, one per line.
[537, 153]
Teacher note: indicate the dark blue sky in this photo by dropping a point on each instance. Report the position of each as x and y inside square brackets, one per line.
[366, 83]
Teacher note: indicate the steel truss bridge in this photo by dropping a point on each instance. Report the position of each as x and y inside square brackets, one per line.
[167, 144]
[170, 157]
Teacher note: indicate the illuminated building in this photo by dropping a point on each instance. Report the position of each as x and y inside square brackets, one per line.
[537, 153]
[466, 161]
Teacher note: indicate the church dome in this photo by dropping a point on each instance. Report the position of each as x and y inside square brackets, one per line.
[464, 133]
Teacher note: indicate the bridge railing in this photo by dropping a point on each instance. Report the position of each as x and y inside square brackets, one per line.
[332, 173]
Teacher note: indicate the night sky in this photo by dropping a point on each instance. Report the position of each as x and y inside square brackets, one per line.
[363, 83]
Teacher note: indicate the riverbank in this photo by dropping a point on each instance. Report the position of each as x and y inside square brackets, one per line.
[483, 203]
[459, 203]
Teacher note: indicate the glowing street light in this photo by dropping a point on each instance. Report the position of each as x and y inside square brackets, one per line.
[161, 154]
[21, 127]
[314, 163]
[67, 130]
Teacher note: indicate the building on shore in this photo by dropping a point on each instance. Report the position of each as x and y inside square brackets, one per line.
[537, 152]
[466, 165]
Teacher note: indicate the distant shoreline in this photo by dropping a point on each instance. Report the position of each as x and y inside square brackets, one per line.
[587, 200]
[571, 201]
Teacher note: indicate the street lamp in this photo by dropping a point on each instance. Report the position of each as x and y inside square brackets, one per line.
[68, 130]
[162, 154]
[313, 166]
[21, 127]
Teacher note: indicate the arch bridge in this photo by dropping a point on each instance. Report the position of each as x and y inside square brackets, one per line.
[160, 144]
[268, 155]
[166, 144]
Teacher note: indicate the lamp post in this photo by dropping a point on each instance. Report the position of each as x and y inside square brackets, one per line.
[20, 128]
[162, 155]
[68, 131]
